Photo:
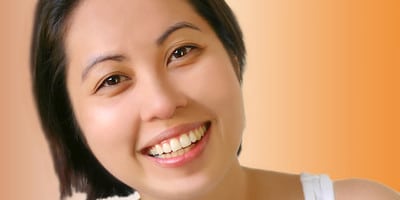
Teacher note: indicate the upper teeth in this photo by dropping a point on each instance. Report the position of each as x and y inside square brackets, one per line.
[178, 143]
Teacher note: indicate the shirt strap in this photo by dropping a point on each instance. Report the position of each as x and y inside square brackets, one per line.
[317, 187]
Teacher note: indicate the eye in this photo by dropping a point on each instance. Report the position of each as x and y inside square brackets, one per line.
[180, 52]
[113, 80]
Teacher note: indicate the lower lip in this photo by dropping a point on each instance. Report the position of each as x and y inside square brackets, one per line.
[192, 154]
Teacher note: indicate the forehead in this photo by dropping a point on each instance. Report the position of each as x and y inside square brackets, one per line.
[102, 27]
[132, 8]
[140, 18]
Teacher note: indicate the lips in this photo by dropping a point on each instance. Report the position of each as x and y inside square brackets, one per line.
[182, 140]
[177, 146]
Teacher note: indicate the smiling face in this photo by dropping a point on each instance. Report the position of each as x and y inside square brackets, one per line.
[155, 94]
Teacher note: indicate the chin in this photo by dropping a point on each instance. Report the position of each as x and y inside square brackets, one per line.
[193, 188]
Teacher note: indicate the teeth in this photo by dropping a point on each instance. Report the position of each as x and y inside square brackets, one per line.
[177, 146]
[192, 137]
[159, 150]
[166, 148]
[184, 140]
[180, 152]
[153, 151]
[198, 134]
[174, 154]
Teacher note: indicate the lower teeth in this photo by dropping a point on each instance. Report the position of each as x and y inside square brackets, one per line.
[176, 153]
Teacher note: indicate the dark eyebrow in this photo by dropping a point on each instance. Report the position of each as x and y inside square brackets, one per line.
[120, 58]
[174, 28]
[100, 59]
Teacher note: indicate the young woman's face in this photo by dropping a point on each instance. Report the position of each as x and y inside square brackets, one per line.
[149, 77]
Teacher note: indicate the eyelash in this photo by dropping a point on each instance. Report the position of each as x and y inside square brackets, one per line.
[181, 52]
[116, 78]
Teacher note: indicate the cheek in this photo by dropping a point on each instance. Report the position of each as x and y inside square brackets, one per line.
[224, 98]
[109, 131]
[216, 88]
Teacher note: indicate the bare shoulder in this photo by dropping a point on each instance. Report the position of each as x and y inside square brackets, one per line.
[363, 189]
[274, 185]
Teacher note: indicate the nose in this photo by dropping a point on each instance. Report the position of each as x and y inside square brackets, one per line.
[160, 100]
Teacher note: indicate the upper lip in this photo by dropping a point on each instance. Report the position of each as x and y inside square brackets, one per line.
[171, 133]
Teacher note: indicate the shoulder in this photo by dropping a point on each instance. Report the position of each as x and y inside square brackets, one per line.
[363, 189]
[273, 177]
[273, 185]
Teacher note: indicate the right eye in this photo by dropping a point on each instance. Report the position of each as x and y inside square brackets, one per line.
[181, 52]
[112, 80]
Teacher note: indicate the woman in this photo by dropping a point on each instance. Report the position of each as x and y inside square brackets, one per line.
[145, 96]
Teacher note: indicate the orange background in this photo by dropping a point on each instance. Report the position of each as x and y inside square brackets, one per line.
[322, 92]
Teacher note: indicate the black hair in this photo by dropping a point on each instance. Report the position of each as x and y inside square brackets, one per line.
[76, 166]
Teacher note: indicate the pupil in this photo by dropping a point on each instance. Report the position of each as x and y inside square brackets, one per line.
[112, 80]
[179, 53]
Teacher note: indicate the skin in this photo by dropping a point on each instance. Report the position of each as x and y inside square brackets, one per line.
[152, 90]
[155, 93]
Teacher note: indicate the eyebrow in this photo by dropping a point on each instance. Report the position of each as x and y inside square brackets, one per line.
[173, 28]
[99, 59]
[119, 58]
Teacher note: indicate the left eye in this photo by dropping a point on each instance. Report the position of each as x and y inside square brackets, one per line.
[180, 52]
[112, 80]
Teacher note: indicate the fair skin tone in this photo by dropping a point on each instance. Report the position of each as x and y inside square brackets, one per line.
[138, 79]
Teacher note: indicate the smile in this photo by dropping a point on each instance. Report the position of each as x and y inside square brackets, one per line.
[179, 145]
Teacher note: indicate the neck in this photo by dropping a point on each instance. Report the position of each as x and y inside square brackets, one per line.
[234, 185]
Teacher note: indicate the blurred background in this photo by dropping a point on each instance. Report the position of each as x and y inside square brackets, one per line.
[321, 89]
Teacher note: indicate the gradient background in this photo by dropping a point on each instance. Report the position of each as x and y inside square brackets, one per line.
[322, 92]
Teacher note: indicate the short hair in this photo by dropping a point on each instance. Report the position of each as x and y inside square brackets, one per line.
[76, 166]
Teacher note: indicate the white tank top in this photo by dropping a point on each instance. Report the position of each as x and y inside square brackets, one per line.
[317, 187]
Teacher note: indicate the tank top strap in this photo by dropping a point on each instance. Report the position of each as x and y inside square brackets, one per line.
[317, 187]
